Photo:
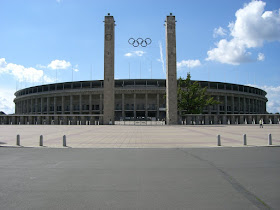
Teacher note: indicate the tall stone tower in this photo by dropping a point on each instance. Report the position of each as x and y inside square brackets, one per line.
[171, 71]
[109, 83]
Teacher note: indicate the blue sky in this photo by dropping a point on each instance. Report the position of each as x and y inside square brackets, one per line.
[44, 41]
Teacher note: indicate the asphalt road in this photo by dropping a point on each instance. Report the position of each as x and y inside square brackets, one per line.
[202, 178]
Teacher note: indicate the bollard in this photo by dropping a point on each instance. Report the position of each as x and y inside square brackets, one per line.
[18, 140]
[41, 140]
[244, 139]
[269, 139]
[64, 141]
[219, 140]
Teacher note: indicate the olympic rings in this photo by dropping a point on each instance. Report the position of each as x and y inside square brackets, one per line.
[139, 42]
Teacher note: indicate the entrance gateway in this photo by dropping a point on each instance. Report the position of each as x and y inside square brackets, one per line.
[171, 73]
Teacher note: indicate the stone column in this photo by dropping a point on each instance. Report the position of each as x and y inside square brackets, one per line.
[47, 120]
[23, 106]
[101, 104]
[71, 104]
[36, 105]
[42, 107]
[232, 104]
[48, 105]
[80, 103]
[249, 104]
[109, 83]
[54, 106]
[31, 106]
[171, 71]
[206, 119]
[18, 107]
[134, 107]
[62, 105]
[90, 103]
[241, 119]
[224, 119]
[239, 106]
[56, 121]
[13, 120]
[27, 106]
[83, 119]
[218, 105]
[250, 118]
[226, 104]
[146, 106]
[123, 112]
[188, 121]
[157, 106]
[215, 119]
[244, 105]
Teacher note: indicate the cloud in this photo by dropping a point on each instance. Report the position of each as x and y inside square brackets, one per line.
[188, 63]
[21, 73]
[230, 52]
[59, 64]
[6, 101]
[273, 96]
[219, 32]
[161, 60]
[3, 64]
[135, 53]
[128, 54]
[58, 1]
[261, 57]
[41, 66]
[252, 28]
[76, 68]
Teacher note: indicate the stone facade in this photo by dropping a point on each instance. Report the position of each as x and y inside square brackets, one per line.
[134, 99]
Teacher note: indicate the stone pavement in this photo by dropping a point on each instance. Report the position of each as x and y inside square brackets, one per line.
[120, 136]
[182, 178]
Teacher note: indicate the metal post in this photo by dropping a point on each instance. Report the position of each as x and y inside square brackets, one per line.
[219, 140]
[269, 139]
[244, 139]
[64, 141]
[18, 140]
[41, 140]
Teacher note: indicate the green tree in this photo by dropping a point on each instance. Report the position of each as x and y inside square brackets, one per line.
[191, 97]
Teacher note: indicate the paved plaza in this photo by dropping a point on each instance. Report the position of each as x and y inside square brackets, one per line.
[139, 167]
[192, 178]
[122, 136]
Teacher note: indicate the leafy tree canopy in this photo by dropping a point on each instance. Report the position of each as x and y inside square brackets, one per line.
[191, 97]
